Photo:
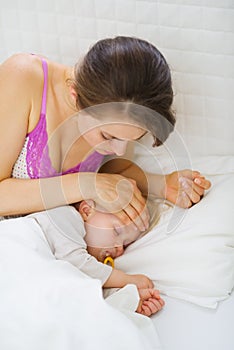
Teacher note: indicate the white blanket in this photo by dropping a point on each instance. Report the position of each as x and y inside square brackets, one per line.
[46, 304]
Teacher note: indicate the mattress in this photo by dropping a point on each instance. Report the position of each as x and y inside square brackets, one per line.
[182, 325]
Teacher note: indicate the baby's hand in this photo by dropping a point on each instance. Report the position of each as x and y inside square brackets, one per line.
[141, 281]
[150, 302]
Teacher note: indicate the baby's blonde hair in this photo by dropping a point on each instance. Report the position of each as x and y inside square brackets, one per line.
[155, 207]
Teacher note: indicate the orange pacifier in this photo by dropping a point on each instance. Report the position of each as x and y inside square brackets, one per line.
[109, 261]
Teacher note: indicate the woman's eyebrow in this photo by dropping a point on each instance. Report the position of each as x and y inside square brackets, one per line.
[116, 138]
[141, 136]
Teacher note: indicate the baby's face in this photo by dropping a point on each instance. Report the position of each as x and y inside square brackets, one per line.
[105, 235]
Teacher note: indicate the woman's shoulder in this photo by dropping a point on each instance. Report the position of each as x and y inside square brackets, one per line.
[21, 66]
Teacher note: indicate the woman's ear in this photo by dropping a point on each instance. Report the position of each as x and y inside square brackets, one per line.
[73, 93]
[86, 209]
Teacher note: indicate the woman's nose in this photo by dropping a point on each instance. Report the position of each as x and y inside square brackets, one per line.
[119, 147]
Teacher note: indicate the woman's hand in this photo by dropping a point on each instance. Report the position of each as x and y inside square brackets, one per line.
[185, 188]
[119, 195]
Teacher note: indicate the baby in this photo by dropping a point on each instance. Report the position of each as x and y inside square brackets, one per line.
[85, 236]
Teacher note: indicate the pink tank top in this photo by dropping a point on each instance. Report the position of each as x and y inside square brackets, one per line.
[34, 161]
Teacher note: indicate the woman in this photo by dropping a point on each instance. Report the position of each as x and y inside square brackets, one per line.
[37, 99]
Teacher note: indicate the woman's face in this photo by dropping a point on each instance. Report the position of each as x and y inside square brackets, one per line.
[113, 138]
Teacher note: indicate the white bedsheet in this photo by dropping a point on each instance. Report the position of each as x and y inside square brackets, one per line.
[182, 326]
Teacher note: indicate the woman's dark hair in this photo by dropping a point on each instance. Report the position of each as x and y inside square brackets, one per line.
[126, 69]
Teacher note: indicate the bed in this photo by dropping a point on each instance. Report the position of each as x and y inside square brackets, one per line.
[47, 304]
[196, 278]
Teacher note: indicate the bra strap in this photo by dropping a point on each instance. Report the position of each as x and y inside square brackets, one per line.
[44, 94]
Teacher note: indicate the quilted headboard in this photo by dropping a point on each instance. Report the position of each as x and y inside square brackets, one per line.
[196, 37]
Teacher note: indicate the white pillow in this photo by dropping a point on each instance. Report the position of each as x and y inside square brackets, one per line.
[190, 253]
[174, 155]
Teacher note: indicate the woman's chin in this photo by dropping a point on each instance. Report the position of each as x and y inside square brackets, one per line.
[105, 153]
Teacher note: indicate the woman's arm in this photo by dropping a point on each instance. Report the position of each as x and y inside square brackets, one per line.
[21, 85]
[15, 109]
[148, 183]
[24, 196]
[182, 188]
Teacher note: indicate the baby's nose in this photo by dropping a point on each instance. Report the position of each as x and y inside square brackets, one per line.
[119, 251]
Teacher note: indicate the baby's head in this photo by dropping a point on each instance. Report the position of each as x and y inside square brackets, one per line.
[105, 234]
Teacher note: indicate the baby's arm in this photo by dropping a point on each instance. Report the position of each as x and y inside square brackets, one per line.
[119, 279]
[64, 230]
[145, 301]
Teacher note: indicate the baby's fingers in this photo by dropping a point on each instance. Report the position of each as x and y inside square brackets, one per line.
[161, 301]
[152, 306]
[148, 308]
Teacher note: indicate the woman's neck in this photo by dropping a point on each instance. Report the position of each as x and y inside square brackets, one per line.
[63, 91]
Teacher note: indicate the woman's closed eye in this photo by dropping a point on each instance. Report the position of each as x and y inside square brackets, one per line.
[106, 137]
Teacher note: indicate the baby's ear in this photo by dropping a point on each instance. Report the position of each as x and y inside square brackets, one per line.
[86, 209]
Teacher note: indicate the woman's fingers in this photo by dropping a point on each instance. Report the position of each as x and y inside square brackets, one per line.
[134, 210]
[136, 217]
[184, 200]
[131, 219]
[138, 203]
[197, 178]
[202, 182]
[122, 197]
[186, 183]
[186, 187]
[127, 223]
[191, 191]
[141, 210]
